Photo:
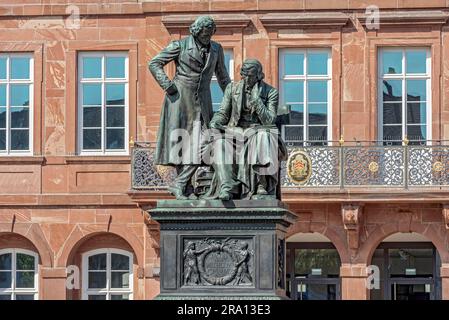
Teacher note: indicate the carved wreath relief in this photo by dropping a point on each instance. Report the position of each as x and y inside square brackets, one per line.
[219, 262]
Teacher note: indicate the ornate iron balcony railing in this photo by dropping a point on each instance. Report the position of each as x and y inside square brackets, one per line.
[335, 166]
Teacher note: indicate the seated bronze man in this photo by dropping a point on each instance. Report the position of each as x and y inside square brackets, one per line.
[248, 150]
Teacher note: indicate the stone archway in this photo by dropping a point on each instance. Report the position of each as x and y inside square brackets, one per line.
[430, 231]
[326, 231]
[408, 266]
[32, 233]
[103, 242]
[81, 234]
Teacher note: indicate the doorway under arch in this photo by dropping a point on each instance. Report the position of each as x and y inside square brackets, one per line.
[313, 268]
[409, 268]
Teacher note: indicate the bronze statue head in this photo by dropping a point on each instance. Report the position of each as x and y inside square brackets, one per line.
[202, 29]
[252, 71]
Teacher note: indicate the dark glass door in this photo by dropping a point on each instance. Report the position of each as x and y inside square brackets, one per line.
[406, 290]
[408, 271]
[313, 271]
[315, 289]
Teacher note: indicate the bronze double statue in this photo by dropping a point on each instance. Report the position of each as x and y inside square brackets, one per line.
[240, 143]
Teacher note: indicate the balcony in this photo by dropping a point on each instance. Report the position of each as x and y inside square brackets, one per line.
[344, 170]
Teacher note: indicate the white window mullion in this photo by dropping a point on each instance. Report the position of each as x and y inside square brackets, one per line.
[8, 81]
[8, 129]
[108, 275]
[13, 276]
[108, 291]
[429, 99]
[404, 77]
[306, 77]
[305, 129]
[13, 291]
[103, 117]
[404, 96]
[8, 108]
[102, 80]
[103, 104]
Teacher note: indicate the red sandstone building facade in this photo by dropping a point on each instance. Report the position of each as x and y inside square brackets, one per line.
[74, 91]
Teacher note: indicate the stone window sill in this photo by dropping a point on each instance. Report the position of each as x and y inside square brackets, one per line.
[22, 160]
[98, 160]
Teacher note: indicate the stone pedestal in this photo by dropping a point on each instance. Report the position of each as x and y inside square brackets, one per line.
[222, 250]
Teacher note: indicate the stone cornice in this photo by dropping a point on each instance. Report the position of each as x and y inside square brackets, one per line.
[304, 20]
[179, 22]
[407, 18]
[22, 160]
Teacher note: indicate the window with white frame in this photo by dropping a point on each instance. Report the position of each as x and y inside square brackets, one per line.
[18, 275]
[103, 103]
[404, 95]
[16, 103]
[305, 88]
[217, 93]
[108, 275]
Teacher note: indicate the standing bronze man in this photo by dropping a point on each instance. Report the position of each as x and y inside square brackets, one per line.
[187, 105]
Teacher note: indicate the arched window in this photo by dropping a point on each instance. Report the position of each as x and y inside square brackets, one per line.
[18, 275]
[107, 275]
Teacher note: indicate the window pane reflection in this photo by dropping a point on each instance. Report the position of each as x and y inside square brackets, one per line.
[2, 94]
[392, 113]
[24, 296]
[115, 94]
[5, 279]
[92, 94]
[96, 297]
[312, 291]
[317, 262]
[2, 139]
[293, 91]
[392, 62]
[317, 63]
[419, 259]
[392, 133]
[25, 262]
[115, 138]
[20, 68]
[416, 61]
[115, 67]
[92, 67]
[5, 261]
[3, 61]
[317, 91]
[416, 90]
[97, 280]
[25, 279]
[317, 113]
[297, 114]
[120, 296]
[293, 133]
[97, 262]
[293, 64]
[392, 90]
[416, 113]
[92, 139]
[416, 132]
[20, 140]
[20, 95]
